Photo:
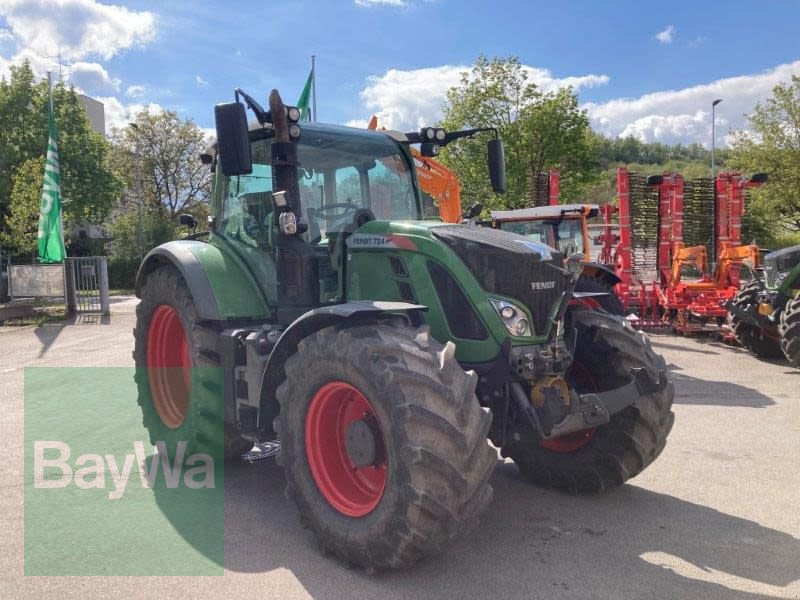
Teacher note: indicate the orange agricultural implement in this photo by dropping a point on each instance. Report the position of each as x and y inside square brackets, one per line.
[670, 233]
[438, 182]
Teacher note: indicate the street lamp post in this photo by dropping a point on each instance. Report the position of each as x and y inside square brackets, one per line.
[713, 133]
[139, 229]
[713, 180]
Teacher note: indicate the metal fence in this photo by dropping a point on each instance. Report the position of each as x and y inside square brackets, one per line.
[87, 285]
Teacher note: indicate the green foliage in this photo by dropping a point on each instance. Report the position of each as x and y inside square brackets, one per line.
[22, 221]
[88, 184]
[773, 146]
[126, 251]
[129, 227]
[612, 152]
[168, 150]
[539, 130]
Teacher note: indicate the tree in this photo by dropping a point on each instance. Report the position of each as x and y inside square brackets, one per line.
[772, 145]
[88, 183]
[540, 131]
[22, 221]
[168, 150]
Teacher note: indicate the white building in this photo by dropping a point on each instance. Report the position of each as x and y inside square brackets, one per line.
[95, 110]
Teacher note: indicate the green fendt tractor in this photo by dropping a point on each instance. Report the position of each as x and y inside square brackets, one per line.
[382, 350]
[765, 315]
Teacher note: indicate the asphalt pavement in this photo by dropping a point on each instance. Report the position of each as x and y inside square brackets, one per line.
[716, 516]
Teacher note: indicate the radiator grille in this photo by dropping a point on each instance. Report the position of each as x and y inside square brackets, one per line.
[508, 264]
[461, 318]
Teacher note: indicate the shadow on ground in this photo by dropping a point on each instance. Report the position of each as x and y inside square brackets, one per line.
[629, 543]
[691, 390]
[49, 332]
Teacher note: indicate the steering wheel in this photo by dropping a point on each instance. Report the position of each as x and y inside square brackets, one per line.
[347, 206]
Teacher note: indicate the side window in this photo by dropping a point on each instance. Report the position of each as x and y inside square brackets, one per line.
[248, 211]
[392, 197]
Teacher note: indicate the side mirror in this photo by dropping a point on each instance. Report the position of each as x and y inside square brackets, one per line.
[475, 210]
[187, 220]
[233, 144]
[497, 166]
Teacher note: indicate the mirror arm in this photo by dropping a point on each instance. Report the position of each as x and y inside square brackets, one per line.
[262, 116]
[455, 135]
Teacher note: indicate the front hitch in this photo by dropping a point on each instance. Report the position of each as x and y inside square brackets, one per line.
[586, 410]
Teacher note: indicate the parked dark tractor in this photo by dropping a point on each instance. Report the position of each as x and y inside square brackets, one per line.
[765, 315]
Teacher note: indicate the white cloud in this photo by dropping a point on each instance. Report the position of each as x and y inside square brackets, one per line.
[380, 2]
[201, 83]
[135, 91]
[666, 36]
[411, 99]
[76, 28]
[118, 115]
[93, 78]
[685, 115]
[6, 35]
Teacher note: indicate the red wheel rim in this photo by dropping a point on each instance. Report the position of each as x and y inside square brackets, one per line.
[351, 490]
[168, 366]
[570, 442]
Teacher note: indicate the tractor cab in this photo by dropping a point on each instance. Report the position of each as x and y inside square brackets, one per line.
[345, 178]
[563, 227]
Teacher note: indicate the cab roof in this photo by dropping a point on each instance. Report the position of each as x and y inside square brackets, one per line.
[546, 212]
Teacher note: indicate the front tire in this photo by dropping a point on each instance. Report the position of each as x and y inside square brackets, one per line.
[424, 480]
[754, 339]
[789, 330]
[597, 459]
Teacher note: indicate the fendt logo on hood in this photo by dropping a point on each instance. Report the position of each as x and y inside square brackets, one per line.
[538, 286]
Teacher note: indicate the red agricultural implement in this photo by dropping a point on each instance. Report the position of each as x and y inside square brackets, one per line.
[670, 233]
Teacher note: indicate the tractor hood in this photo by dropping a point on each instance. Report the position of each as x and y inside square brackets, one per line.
[503, 263]
[510, 265]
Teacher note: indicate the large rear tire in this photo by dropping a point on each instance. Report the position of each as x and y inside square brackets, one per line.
[789, 330]
[609, 302]
[607, 456]
[755, 339]
[178, 373]
[425, 481]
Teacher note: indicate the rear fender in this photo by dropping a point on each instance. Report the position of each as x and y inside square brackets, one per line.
[221, 285]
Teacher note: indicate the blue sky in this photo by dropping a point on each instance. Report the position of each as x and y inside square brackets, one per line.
[640, 68]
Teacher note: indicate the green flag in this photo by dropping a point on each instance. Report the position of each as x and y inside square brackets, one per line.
[302, 104]
[51, 235]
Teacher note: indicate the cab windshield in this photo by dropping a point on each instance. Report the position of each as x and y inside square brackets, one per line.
[565, 235]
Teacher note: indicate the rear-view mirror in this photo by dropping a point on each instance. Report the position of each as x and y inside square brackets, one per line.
[497, 165]
[233, 145]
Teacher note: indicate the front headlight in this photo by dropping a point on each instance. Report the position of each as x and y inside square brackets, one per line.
[513, 317]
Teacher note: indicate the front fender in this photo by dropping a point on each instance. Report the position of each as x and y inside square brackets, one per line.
[601, 272]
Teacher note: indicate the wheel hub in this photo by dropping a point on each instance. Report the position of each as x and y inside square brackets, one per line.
[168, 366]
[345, 448]
[364, 443]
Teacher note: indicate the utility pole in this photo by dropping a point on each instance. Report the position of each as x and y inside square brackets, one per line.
[139, 229]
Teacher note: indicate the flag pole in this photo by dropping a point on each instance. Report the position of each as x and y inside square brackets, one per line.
[313, 87]
[61, 203]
